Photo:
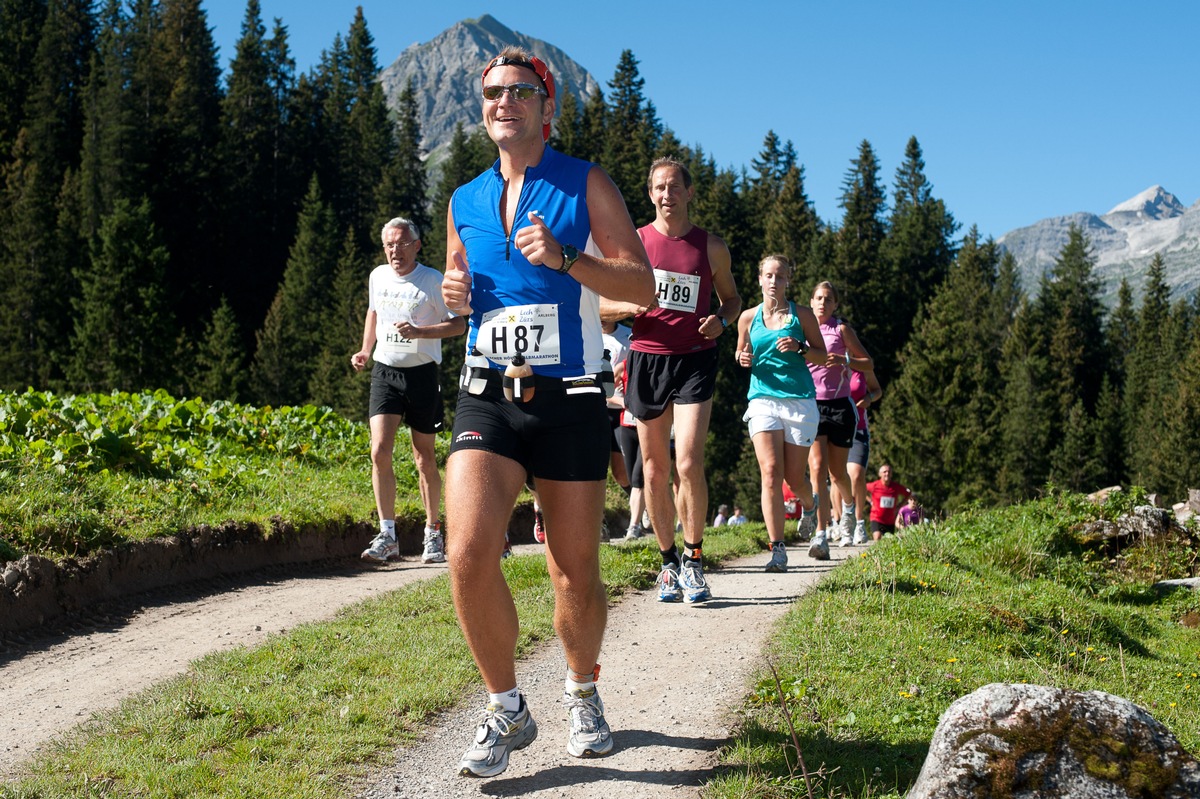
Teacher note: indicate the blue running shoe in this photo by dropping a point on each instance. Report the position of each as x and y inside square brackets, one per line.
[668, 584]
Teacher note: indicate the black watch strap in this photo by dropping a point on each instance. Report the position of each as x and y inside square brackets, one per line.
[569, 256]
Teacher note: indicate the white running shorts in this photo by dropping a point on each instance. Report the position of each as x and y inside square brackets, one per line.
[797, 418]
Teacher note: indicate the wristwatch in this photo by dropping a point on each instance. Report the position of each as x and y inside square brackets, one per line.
[569, 255]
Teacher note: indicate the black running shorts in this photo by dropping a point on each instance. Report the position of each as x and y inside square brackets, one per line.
[413, 393]
[839, 418]
[656, 381]
[555, 436]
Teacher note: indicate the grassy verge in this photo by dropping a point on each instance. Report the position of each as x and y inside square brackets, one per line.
[311, 710]
[868, 661]
[88, 472]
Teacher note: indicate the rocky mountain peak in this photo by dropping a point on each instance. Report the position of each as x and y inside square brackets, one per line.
[445, 74]
[1153, 203]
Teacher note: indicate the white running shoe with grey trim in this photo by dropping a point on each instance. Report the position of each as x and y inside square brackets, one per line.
[499, 733]
[435, 547]
[382, 548]
[590, 735]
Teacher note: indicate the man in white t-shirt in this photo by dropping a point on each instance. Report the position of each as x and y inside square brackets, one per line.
[405, 324]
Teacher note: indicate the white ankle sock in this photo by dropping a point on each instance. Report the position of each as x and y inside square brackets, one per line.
[509, 700]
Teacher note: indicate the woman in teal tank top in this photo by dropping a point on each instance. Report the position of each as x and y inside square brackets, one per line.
[776, 340]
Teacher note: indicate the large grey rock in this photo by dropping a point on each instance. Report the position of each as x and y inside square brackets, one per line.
[1036, 742]
[1145, 521]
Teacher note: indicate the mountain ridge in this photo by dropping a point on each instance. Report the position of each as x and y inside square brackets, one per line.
[1123, 242]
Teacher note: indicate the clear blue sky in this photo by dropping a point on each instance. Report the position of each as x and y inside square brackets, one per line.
[1024, 110]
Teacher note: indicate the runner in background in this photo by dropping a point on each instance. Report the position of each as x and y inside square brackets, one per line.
[886, 498]
[673, 371]
[835, 434]
[865, 391]
[405, 323]
[782, 414]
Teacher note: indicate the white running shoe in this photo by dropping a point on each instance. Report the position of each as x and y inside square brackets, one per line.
[860, 533]
[848, 521]
[590, 735]
[807, 524]
[383, 548]
[633, 532]
[499, 733]
[820, 547]
[435, 547]
[845, 540]
[778, 562]
[691, 580]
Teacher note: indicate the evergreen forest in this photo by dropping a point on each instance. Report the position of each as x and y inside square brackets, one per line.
[165, 224]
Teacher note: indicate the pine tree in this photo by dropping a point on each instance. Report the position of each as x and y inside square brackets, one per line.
[36, 251]
[291, 336]
[593, 123]
[631, 133]
[1074, 463]
[183, 179]
[1120, 333]
[1070, 302]
[863, 279]
[334, 381]
[403, 189]
[1149, 381]
[763, 188]
[1027, 400]
[124, 326]
[254, 191]
[938, 422]
[918, 251]
[221, 358]
[21, 23]
[564, 133]
[1109, 447]
[111, 146]
[791, 222]
[1176, 469]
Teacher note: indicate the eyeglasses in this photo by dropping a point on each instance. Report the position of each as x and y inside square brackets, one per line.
[517, 91]
[400, 244]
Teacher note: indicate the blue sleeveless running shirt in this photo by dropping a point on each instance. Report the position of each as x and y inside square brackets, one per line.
[775, 374]
[552, 320]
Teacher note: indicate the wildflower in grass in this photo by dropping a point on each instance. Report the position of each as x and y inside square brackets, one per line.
[1091, 649]
[951, 660]
[1070, 654]
[1102, 658]
[1065, 631]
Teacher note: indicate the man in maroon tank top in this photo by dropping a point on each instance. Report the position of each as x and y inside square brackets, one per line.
[672, 368]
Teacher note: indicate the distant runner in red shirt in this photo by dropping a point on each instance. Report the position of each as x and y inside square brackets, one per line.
[887, 497]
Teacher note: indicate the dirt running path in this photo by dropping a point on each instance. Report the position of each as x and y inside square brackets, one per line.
[672, 676]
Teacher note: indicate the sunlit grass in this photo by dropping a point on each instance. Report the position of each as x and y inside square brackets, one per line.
[870, 659]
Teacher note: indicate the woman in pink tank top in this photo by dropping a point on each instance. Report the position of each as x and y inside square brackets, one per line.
[839, 418]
